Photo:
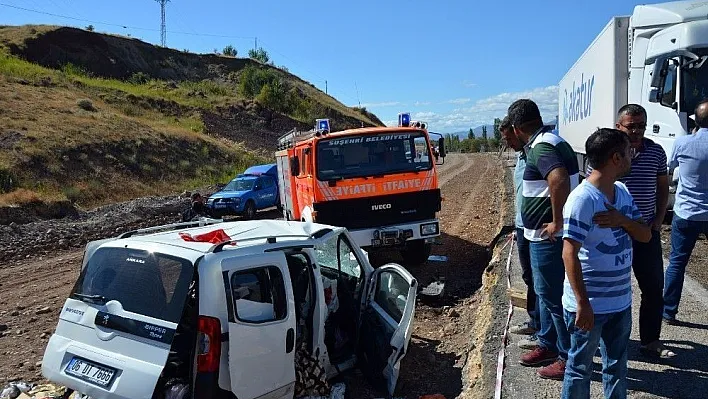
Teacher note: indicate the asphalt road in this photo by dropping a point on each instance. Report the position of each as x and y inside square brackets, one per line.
[685, 376]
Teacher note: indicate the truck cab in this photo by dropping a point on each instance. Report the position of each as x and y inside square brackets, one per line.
[379, 182]
[229, 310]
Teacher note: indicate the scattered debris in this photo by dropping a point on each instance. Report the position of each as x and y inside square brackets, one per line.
[336, 392]
[435, 289]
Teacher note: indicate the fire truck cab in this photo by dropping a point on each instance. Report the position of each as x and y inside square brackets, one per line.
[378, 182]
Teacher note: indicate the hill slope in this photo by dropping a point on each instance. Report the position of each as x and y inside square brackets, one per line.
[98, 118]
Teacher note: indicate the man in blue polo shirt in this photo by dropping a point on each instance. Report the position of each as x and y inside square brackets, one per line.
[690, 154]
[600, 220]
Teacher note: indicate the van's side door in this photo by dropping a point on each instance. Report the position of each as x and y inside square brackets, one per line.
[387, 324]
[261, 312]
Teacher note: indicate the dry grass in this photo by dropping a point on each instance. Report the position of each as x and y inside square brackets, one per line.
[17, 35]
[67, 134]
[19, 197]
[47, 122]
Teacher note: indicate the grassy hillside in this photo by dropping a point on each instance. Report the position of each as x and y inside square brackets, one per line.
[97, 118]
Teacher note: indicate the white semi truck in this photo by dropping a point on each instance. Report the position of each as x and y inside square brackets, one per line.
[654, 57]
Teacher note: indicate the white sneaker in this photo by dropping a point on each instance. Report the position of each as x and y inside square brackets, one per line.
[530, 342]
[522, 329]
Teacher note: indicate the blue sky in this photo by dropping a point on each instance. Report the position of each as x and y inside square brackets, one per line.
[456, 65]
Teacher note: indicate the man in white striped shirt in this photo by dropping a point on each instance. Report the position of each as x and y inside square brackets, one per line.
[600, 220]
[648, 183]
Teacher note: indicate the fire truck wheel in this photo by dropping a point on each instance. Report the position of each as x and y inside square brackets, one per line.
[416, 252]
[249, 212]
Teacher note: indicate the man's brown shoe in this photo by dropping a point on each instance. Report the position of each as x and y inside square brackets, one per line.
[538, 357]
[554, 371]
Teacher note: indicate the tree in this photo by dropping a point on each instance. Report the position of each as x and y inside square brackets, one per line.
[497, 131]
[470, 135]
[230, 51]
[90, 28]
[484, 133]
[259, 55]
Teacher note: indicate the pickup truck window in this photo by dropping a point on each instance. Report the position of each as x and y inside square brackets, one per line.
[259, 295]
[392, 294]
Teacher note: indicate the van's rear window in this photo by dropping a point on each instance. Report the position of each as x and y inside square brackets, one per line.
[147, 283]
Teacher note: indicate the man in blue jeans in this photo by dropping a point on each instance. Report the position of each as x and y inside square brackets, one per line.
[690, 154]
[600, 222]
[551, 173]
[533, 324]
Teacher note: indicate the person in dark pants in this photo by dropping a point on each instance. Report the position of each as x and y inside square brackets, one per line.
[690, 154]
[648, 182]
[533, 324]
[550, 175]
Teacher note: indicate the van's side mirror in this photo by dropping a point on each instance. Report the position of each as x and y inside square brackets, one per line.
[294, 166]
[441, 147]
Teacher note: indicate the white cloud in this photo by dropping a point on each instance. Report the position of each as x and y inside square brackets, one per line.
[382, 104]
[468, 83]
[458, 101]
[485, 110]
[420, 103]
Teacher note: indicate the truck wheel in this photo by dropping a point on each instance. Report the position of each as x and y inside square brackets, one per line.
[416, 252]
[249, 211]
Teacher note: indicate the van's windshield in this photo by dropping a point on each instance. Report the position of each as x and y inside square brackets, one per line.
[372, 155]
[148, 283]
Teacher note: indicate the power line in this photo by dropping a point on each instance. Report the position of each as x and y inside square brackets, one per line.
[124, 26]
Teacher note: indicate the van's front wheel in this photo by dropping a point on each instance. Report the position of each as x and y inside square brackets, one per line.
[416, 252]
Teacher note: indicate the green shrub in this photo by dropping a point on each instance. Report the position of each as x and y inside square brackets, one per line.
[252, 80]
[70, 69]
[139, 78]
[86, 104]
[72, 193]
[8, 182]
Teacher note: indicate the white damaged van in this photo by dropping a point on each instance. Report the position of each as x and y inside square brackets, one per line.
[157, 307]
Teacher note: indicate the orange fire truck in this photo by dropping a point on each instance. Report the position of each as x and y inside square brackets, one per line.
[380, 183]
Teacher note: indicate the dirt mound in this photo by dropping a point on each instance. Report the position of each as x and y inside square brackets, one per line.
[119, 57]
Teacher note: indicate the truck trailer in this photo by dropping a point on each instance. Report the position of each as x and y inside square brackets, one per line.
[654, 57]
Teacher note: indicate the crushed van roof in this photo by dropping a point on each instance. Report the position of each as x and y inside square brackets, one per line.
[244, 233]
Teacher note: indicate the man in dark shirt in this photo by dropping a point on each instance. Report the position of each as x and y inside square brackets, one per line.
[648, 182]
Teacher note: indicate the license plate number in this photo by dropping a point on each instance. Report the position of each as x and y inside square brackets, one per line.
[91, 372]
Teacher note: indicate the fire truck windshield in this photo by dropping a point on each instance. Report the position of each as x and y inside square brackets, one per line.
[372, 155]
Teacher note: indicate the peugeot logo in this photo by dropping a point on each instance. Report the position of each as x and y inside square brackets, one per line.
[380, 207]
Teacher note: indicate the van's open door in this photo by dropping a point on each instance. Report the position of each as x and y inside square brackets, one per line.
[386, 326]
[261, 309]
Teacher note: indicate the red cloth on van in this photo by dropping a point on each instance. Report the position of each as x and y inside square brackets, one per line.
[214, 237]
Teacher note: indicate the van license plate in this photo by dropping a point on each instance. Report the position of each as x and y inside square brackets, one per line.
[91, 372]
